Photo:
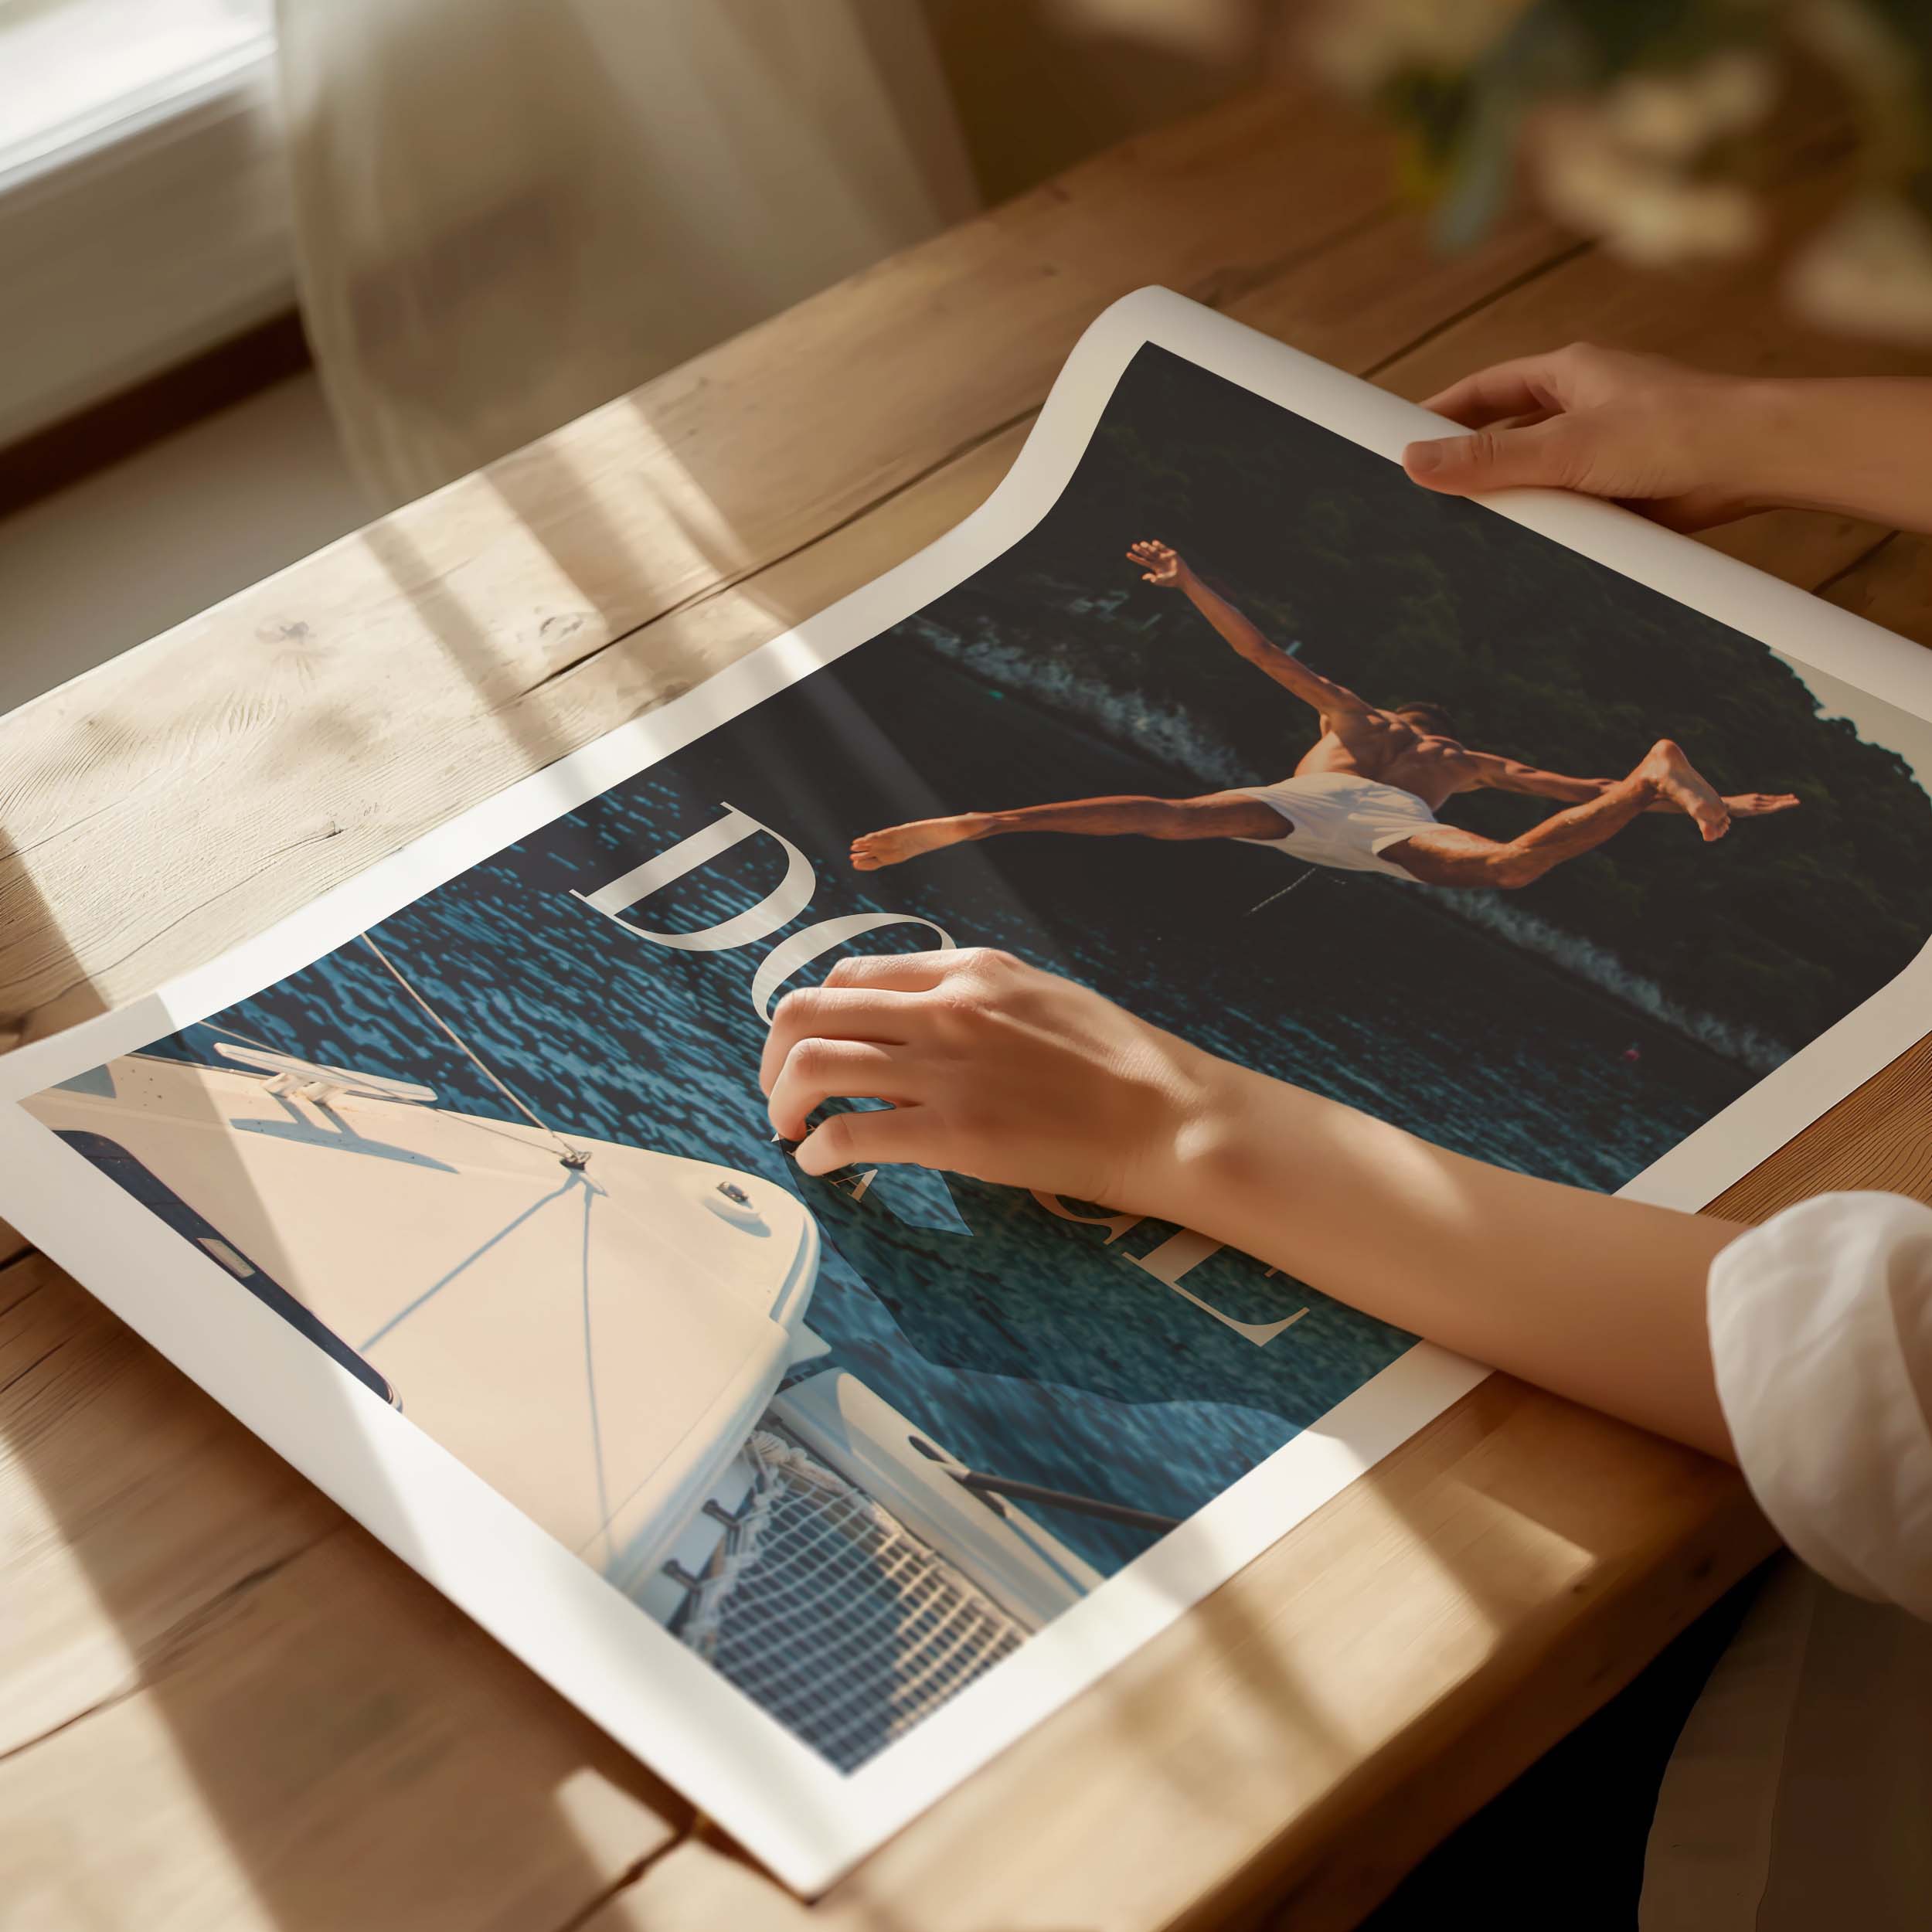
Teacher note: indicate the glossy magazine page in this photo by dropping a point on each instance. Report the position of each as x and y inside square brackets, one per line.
[459, 1187]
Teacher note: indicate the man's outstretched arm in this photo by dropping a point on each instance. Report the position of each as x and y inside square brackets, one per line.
[1160, 564]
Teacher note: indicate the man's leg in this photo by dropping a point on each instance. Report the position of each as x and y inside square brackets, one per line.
[1220, 814]
[1447, 856]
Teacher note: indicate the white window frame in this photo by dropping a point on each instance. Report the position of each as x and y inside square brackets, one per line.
[142, 240]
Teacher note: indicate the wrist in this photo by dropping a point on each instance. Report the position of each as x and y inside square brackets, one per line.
[1208, 1149]
[1791, 444]
[1742, 435]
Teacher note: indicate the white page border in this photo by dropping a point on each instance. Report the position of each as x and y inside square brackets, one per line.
[808, 1822]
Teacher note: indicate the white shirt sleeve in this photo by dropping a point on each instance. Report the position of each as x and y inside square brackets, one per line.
[1820, 1329]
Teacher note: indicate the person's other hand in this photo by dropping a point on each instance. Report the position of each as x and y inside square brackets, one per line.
[994, 1070]
[1676, 443]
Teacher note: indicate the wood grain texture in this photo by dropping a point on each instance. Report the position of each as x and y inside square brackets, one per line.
[224, 1706]
[227, 1707]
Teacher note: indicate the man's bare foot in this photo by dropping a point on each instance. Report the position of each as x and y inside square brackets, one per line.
[1679, 780]
[897, 843]
[1761, 804]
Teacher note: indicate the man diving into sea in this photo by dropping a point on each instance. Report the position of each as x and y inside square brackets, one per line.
[1365, 798]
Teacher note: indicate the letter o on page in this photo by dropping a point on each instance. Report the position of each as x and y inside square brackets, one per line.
[801, 949]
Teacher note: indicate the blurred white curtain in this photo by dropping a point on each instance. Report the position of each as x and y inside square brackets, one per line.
[508, 211]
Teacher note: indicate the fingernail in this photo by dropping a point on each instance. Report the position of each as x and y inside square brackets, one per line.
[1422, 458]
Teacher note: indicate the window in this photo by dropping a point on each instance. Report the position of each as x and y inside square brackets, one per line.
[80, 71]
[143, 208]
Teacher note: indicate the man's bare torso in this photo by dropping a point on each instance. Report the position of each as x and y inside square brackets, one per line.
[1388, 749]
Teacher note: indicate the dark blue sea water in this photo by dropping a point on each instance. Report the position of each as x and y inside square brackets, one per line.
[1017, 1340]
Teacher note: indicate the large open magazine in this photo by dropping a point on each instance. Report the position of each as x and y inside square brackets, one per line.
[458, 1187]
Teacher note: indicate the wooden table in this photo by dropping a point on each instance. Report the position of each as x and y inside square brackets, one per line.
[222, 1705]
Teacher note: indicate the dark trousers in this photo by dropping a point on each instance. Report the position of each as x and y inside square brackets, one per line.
[1564, 1844]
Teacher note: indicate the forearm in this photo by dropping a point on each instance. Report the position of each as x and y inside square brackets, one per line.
[1860, 446]
[1027, 1080]
[1249, 642]
[1600, 1299]
[1241, 632]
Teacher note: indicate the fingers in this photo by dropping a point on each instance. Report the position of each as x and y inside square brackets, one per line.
[1550, 454]
[895, 972]
[818, 1070]
[865, 998]
[857, 1013]
[1527, 386]
[855, 1037]
[902, 1135]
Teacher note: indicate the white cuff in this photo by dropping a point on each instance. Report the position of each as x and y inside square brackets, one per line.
[1821, 1332]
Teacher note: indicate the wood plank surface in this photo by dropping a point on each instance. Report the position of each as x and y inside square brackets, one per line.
[225, 1705]
[222, 1701]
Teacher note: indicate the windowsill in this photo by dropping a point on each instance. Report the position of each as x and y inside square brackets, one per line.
[44, 124]
[139, 226]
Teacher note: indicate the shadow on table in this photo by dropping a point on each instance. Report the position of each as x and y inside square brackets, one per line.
[46, 987]
[229, 1696]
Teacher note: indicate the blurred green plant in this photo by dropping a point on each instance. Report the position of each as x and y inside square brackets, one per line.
[1650, 124]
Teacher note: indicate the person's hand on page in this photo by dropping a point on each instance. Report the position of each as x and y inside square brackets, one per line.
[1013, 1076]
[1675, 443]
[994, 1069]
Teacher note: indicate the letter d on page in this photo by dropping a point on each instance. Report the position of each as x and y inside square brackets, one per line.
[779, 907]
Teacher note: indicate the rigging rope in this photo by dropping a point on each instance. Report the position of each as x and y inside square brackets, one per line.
[216, 1026]
[573, 1157]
